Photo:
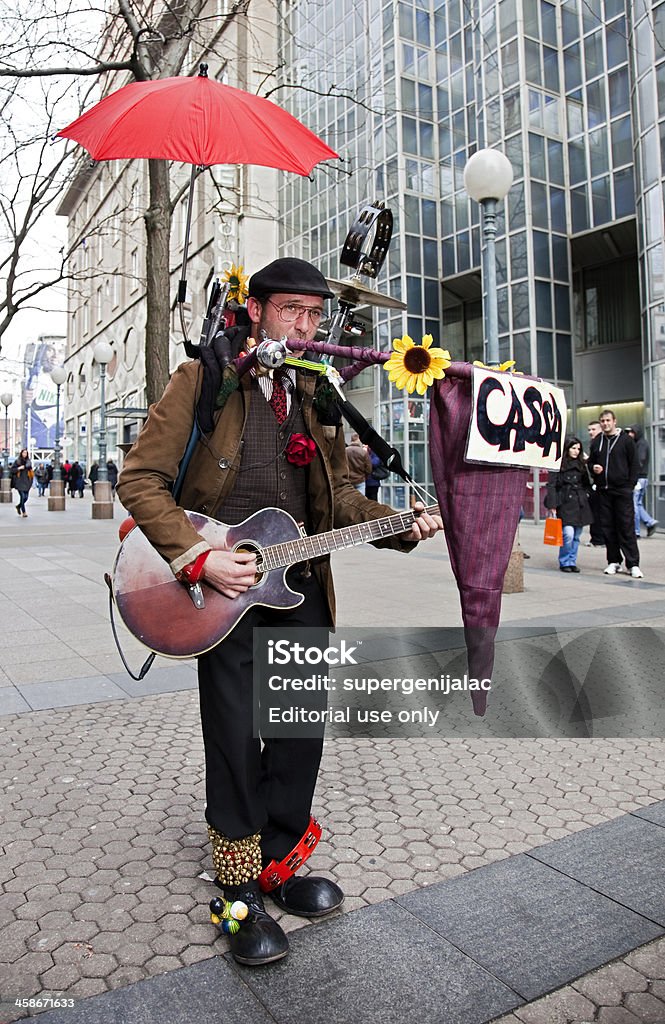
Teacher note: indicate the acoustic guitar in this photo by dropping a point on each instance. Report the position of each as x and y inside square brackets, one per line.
[179, 621]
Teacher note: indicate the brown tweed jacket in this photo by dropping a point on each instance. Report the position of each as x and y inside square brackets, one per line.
[152, 465]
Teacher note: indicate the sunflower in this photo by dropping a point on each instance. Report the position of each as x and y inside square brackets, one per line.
[415, 367]
[238, 281]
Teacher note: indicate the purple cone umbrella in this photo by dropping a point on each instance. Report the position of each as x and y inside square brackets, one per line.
[480, 506]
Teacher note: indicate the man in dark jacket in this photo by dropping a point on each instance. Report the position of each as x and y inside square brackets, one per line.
[613, 460]
[641, 514]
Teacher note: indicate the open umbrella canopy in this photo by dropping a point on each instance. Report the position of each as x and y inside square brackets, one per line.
[198, 121]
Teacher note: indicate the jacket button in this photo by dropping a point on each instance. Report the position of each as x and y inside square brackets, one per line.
[282, 495]
[223, 463]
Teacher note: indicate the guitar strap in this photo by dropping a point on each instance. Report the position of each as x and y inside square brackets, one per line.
[184, 463]
[389, 456]
[215, 357]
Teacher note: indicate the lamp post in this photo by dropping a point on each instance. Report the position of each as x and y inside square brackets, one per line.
[488, 175]
[102, 505]
[56, 491]
[5, 490]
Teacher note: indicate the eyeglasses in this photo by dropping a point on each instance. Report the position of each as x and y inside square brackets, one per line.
[291, 311]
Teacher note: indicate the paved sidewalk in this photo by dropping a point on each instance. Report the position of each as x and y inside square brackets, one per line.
[104, 873]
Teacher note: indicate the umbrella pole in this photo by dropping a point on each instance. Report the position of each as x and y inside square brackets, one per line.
[182, 284]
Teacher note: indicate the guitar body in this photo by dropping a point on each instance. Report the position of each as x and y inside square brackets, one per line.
[158, 609]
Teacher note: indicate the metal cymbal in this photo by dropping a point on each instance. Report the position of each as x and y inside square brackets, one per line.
[358, 294]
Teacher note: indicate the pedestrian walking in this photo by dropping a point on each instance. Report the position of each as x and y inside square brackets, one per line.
[358, 463]
[112, 472]
[76, 480]
[41, 478]
[643, 453]
[614, 463]
[568, 498]
[21, 480]
[376, 477]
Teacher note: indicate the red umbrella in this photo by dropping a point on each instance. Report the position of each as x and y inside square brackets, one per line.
[198, 121]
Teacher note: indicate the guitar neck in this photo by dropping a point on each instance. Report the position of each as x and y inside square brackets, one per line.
[279, 556]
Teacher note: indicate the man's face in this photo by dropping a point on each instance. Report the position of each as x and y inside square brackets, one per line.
[284, 314]
[594, 430]
[608, 423]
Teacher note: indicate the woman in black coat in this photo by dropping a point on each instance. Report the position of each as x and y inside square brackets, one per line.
[21, 480]
[568, 498]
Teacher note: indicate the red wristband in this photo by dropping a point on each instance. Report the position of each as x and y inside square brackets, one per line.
[193, 572]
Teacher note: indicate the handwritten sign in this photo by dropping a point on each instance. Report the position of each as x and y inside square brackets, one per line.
[516, 421]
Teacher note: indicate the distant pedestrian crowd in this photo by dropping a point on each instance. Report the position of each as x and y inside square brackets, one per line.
[605, 491]
[24, 475]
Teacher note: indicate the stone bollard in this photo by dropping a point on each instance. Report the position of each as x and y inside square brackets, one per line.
[102, 505]
[56, 496]
[513, 582]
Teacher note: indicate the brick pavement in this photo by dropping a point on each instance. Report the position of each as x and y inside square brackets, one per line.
[104, 854]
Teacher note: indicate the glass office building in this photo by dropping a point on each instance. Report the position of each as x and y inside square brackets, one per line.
[573, 92]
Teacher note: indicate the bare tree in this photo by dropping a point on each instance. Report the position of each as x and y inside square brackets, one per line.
[56, 41]
[33, 174]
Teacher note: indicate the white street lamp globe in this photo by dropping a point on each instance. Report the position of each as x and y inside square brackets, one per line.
[6, 398]
[102, 353]
[488, 174]
[58, 375]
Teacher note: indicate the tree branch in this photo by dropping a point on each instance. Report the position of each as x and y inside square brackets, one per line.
[98, 69]
[332, 90]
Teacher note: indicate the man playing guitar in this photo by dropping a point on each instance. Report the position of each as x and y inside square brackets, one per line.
[258, 798]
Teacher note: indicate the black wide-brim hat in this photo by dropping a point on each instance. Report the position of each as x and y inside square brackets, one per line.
[291, 276]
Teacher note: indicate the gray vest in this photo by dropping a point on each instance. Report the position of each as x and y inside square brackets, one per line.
[265, 477]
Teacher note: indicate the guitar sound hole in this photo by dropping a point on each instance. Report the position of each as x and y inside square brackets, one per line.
[253, 549]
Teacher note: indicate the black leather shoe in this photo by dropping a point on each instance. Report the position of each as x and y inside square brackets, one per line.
[566, 568]
[573, 568]
[259, 940]
[309, 896]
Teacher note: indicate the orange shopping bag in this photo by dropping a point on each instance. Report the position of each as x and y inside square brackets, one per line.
[553, 532]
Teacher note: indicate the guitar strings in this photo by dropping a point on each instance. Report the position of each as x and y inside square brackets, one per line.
[423, 493]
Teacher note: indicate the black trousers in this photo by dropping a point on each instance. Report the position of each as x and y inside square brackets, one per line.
[596, 529]
[617, 519]
[250, 789]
